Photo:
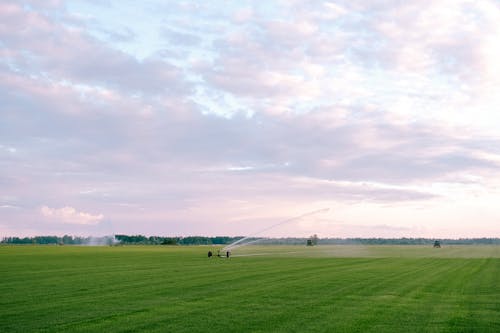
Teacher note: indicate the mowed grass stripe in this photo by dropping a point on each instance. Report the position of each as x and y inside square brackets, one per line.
[245, 302]
[132, 289]
[358, 302]
[269, 322]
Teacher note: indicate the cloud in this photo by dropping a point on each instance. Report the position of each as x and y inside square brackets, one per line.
[70, 215]
[205, 106]
[180, 38]
[54, 51]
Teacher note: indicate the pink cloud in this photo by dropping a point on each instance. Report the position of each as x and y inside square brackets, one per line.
[56, 51]
[70, 215]
[333, 95]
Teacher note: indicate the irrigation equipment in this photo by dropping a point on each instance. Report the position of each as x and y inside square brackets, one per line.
[254, 238]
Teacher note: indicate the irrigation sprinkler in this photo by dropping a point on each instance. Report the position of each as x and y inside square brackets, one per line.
[241, 242]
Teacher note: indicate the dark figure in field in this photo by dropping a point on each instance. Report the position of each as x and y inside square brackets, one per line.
[437, 244]
[209, 254]
[228, 254]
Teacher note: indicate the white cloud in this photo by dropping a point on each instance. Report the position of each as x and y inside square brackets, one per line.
[70, 215]
[287, 103]
[11, 150]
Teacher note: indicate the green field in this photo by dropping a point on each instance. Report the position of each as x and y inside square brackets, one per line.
[259, 289]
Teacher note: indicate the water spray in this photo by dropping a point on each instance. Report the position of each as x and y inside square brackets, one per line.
[240, 243]
[243, 244]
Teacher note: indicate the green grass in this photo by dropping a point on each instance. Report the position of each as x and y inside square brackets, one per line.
[260, 289]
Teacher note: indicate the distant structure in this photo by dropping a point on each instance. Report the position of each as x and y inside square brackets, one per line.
[313, 240]
[437, 244]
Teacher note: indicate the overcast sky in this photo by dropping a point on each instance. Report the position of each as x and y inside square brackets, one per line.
[226, 117]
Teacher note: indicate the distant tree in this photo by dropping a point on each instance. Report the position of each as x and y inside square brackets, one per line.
[196, 240]
[314, 239]
[169, 241]
[67, 239]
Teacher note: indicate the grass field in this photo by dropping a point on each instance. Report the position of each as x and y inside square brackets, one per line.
[259, 289]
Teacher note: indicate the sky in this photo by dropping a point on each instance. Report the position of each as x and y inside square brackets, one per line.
[181, 118]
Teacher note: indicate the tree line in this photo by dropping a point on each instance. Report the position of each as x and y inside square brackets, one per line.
[222, 240]
[189, 240]
[120, 239]
[410, 241]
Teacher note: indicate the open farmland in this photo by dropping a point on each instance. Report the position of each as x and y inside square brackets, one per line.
[259, 289]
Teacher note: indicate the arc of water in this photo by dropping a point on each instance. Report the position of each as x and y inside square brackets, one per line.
[243, 244]
[233, 245]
